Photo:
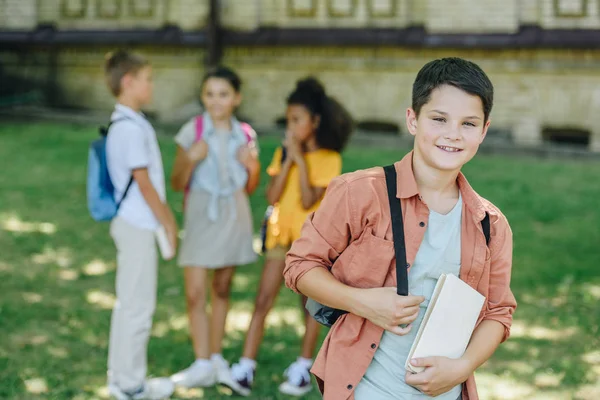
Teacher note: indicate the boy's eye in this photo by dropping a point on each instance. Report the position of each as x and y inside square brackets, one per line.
[469, 124]
[439, 119]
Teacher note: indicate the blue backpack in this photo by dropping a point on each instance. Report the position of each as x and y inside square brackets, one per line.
[100, 190]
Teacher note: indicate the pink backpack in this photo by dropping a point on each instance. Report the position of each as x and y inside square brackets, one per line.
[246, 128]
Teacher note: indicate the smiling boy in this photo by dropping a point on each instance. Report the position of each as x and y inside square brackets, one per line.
[351, 234]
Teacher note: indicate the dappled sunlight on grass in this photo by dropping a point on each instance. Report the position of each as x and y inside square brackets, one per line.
[61, 257]
[36, 385]
[520, 329]
[101, 299]
[592, 290]
[494, 387]
[175, 323]
[589, 392]
[5, 267]
[31, 339]
[95, 339]
[241, 281]
[96, 267]
[12, 223]
[68, 275]
[548, 380]
[58, 352]
[239, 320]
[102, 392]
[32, 298]
[196, 393]
[592, 357]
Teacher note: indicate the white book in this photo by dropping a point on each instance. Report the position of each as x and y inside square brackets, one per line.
[166, 249]
[448, 322]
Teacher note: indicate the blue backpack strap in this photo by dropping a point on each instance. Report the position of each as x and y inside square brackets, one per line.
[104, 132]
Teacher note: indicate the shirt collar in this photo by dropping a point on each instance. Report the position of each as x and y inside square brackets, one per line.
[129, 112]
[208, 127]
[407, 187]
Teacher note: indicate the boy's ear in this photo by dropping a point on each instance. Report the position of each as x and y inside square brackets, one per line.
[126, 81]
[411, 121]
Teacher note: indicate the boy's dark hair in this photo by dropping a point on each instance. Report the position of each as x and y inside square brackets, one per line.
[336, 122]
[224, 73]
[119, 64]
[463, 74]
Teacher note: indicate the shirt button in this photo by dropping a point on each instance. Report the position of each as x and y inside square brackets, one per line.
[349, 387]
[421, 224]
[373, 345]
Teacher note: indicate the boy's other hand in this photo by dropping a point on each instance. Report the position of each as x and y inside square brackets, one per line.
[171, 229]
[386, 309]
[198, 151]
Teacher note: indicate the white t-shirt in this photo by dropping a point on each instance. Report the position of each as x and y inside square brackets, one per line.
[132, 144]
[438, 254]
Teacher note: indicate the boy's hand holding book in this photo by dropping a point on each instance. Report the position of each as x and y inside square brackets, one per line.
[440, 375]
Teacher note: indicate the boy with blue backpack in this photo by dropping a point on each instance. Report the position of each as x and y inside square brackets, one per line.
[126, 185]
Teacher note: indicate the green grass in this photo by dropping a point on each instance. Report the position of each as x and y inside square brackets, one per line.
[57, 275]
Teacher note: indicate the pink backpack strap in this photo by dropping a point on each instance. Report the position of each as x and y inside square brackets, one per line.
[199, 128]
[248, 131]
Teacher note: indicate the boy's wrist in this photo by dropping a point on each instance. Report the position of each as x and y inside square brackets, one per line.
[354, 301]
[465, 367]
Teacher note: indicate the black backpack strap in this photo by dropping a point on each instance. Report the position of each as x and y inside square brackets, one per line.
[485, 225]
[104, 129]
[397, 230]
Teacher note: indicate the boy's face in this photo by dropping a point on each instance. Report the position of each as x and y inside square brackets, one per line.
[220, 98]
[139, 86]
[449, 128]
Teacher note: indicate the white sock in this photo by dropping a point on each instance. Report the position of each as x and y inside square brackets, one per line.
[203, 363]
[248, 363]
[305, 362]
[217, 357]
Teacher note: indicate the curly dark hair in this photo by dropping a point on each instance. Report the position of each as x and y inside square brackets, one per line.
[336, 122]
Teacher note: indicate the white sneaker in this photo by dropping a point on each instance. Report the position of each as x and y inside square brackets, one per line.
[239, 379]
[221, 366]
[199, 374]
[298, 380]
[153, 389]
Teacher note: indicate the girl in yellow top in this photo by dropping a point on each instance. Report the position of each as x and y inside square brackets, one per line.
[318, 128]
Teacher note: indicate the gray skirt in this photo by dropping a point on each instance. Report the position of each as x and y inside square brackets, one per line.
[217, 244]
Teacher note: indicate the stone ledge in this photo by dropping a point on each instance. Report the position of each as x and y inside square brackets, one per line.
[527, 36]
